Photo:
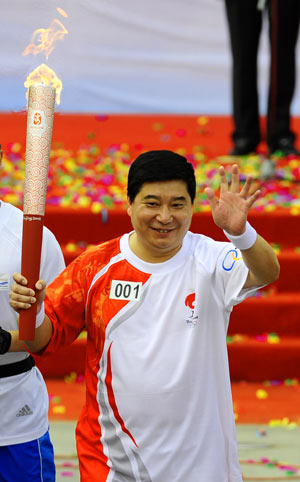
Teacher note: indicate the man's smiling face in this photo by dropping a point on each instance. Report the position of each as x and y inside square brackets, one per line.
[161, 214]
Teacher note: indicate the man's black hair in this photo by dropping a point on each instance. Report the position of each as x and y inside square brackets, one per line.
[160, 165]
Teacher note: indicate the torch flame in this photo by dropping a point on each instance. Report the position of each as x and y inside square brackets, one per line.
[43, 39]
[44, 75]
[62, 12]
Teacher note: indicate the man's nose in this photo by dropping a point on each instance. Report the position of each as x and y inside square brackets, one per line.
[164, 215]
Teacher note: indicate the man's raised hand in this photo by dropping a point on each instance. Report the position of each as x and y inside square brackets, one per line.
[230, 211]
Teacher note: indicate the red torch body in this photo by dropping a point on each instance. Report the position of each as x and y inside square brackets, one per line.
[41, 101]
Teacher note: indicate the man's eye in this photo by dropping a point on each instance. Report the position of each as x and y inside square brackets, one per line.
[151, 205]
[177, 206]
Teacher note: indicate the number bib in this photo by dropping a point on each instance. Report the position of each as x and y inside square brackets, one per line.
[125, 290]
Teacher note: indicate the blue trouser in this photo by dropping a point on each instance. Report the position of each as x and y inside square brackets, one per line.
[28, 462]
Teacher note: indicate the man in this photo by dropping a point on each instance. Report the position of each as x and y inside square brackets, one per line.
[156, 305]
[244, 20]
[26, 452]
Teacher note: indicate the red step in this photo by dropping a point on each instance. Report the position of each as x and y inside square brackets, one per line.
[255, 361]
[279, 313]
[289, 279]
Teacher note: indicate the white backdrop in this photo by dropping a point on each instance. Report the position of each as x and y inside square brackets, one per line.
[127, 56]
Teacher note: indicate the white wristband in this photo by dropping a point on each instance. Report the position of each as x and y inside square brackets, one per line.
[40, 316]
[245, 240]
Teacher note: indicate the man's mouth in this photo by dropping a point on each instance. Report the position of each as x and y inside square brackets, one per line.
[162, 230]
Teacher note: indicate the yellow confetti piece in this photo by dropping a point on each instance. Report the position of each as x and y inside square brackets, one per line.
[273, 339]
[16, 147]
[12, 198]
[261, 394]
[238, 337]
[274, 423]
[202, 121]
[157, 126]
[84, 202]
[295, 211]
[96, 208]
[199, 156]
[270, 208]
[124, 147]
[71, 247]
[71, 377]
[65, 202]
[7, 167]
[59, 409]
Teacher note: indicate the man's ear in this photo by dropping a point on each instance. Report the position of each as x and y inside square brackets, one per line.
[129, 207]
[1, 156]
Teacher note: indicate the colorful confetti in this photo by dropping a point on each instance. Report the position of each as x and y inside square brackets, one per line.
[96, 179]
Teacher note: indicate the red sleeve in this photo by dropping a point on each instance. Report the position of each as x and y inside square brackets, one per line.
[65, 302]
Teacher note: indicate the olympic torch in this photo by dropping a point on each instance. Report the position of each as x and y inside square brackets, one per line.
[41, 99]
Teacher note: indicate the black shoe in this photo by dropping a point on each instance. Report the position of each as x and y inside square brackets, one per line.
[242, 147]
[285, 147]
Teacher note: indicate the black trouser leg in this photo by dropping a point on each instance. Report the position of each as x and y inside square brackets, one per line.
[284, 18]
[244, 22]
